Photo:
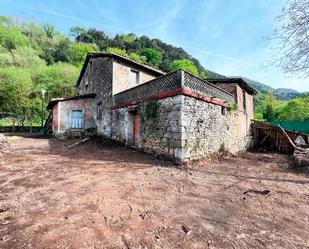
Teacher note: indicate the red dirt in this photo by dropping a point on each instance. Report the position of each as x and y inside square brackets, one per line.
[108, 196]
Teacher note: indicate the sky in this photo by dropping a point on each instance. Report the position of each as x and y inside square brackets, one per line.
[226, 36]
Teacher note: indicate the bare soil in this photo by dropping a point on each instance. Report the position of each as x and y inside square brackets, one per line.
[103, 195]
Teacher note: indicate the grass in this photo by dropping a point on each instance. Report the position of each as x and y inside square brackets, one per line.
[26, 123]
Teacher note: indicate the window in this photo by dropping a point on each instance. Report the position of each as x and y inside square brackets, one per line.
[134, 77]
[244, 101]
[223, 110]
[86, 87]
[99, 111]
[77, 119]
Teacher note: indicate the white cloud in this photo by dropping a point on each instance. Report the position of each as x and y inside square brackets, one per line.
[74, 18]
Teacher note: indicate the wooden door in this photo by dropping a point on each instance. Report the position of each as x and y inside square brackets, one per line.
[136, 129]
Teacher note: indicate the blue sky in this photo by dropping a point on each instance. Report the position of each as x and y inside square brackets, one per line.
[227, 36]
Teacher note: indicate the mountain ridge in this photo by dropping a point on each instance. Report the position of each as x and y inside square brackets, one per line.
[284, 94]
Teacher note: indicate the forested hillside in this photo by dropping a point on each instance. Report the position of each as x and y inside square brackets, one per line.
[279, 93]
[37, 57]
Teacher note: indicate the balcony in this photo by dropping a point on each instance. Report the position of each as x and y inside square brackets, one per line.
[169, 83]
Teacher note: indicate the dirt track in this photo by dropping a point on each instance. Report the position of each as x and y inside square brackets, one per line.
[108, 196]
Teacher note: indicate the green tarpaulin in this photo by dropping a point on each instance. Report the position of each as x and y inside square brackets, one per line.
[298, 126]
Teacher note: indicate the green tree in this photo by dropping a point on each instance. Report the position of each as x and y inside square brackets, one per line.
[77, 31]
[61, 50]
[154, 57]
[119, 51]
[58, 79]
[184, 65]
[78, 52]
[269, 112]
[295, 109]
[26, 57]
[15, 84]
[258, 116]
[11, 38]
[129, 38]
[203, 75]
[50, 30]
[138, 58]
[95, 36]
[268, 106]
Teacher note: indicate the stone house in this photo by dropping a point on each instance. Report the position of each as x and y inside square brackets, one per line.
[176, 115]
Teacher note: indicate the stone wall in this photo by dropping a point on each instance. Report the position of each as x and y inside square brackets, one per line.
[159, 130]
[184, 128]
[244, 115]
[98, 79]
[207, 128]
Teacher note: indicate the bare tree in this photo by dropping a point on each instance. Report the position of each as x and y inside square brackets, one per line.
[292, 36]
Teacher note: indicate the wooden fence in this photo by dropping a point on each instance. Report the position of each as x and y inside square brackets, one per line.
[271, 137]
[9, 129]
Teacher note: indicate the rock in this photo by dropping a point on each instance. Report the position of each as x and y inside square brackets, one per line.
[186, 230]
[5, 222]
[299, 141]
[4, 144]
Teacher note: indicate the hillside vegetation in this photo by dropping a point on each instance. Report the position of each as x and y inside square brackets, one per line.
[38, 57]
[279, 93]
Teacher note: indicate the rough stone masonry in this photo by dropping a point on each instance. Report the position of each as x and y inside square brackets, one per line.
[183, 128]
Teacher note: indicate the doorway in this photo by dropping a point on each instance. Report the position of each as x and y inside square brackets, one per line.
[77, 119]
[136, 129]
[134, 132]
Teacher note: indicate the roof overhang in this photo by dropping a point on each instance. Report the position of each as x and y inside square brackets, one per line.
[54, 101]
[241, 82]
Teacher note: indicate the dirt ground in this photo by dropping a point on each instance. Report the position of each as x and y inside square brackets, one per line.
[102, 195]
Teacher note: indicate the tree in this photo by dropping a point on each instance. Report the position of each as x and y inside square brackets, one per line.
[11, 38]
[6, 21]
[154, 57]
[203, 74]
[14, 86]
[129, 38]
[78, 52]
[119, 51]
[268, 106]
[59, 79]
[295, 109]
[269, 112]
[138, 58]
[184, 65]
[95, 36]
[258, 116]
[61, 50]
[292, 53]
[49, 30]
[77, 31]
[25, 57]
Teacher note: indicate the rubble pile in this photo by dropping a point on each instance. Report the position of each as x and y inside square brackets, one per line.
[4, 144]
